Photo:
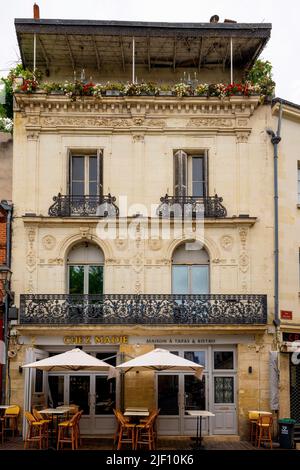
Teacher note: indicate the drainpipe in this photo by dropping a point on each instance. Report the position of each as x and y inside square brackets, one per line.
[275, 139]
[5, 369]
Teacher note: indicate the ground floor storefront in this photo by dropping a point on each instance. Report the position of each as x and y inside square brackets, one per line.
[235, 377]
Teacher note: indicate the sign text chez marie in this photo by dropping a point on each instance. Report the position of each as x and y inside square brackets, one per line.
[95, 340]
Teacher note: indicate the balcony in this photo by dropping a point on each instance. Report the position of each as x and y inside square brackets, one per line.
[154, 309]
[191, 207]
[83, 206]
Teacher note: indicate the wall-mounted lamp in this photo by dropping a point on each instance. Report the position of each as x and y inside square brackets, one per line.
[250, 369]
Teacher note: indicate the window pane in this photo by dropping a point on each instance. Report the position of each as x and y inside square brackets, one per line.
[197, 169]
[180, 280]
[78, 188]
[195, 356]
[224, 389]
[223, 359]
[168, 394]
[95, 279]
[79, 392]
[198, 189]
[56, 390]
[103, 356]
[93, 168]
[77, 168]
[199, 279]
[194, 393]
[76, 279]
[105, 395]
[39, 374]
[92, 188]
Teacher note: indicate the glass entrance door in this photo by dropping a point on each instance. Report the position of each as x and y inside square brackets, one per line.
[176, 394]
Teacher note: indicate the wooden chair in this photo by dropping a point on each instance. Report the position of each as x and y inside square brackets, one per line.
[11, 417]
[126, 431]
[68, 432]
[263, 430]
[39, 417]
[35, 431]
[253, 420]
[144, 420]
[145, 433]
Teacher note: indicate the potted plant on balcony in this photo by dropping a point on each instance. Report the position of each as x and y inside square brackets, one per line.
[113, 89]
[201, 89]
[165, 90]
[88, 89]
[183, 89]
[147, 89]
[53, 88]
[217, 90]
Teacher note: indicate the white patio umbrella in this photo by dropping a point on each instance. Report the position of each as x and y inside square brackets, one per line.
[162, 360]
[73, 360]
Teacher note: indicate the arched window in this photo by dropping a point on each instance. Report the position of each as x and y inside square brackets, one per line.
[85, 269]
[190, 269]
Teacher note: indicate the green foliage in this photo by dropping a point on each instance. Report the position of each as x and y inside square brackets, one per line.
[261, 74]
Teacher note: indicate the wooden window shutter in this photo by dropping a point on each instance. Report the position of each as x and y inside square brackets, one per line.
[100, 172]
[180, 173]
[206, 193]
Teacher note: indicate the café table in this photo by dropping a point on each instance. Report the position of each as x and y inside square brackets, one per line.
[199, 414]
[59, 411]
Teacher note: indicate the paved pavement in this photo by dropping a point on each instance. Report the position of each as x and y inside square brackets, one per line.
[163, 444]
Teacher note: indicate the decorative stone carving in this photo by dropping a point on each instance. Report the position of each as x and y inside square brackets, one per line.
[138, 138]
[154, 244]
[242, 122]
[32, 135]
[226, 242]
[210, 122]
[138, 287]
[48, 242]
[243, 232]
[85, 232]
[30, 259]
[137, 262]
[115, 123]
[242, 137]
[121, 244]
[244, 262]
[57, 261]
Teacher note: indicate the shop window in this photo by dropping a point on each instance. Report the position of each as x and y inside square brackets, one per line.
[223, 360]
[105, 395]
[39, 377]
[196, 356]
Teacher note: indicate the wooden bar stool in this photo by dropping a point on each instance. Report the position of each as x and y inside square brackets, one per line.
[264, 427]
[35, 431]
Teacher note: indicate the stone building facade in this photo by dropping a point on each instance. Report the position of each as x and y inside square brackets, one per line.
[120, 286]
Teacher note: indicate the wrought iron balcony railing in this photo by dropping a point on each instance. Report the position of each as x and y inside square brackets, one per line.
[191, 206]
[84, 206]
[143, 309]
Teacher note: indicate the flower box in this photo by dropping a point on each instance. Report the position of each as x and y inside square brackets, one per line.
[165, 93]
[57, 92]
[112, 93]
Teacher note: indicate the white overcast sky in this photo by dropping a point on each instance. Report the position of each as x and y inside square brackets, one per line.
[282, 49]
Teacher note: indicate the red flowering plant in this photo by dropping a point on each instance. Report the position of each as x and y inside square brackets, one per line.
[234, 89]
[88, 89]
[29, 85]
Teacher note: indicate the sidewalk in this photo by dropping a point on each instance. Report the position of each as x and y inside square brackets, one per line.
[103, 443]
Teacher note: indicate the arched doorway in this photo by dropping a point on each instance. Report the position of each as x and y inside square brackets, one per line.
[85, 269]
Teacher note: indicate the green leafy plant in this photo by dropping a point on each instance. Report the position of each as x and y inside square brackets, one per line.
[261, 74]
[182, 89]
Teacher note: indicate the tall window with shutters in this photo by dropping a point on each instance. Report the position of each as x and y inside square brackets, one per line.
[86, 174]
[191, 174]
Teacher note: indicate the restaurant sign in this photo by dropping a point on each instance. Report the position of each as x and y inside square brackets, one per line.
[78, 340]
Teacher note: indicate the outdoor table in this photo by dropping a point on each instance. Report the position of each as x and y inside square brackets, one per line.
[52, 412]
[199, 414]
